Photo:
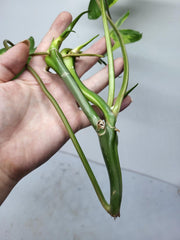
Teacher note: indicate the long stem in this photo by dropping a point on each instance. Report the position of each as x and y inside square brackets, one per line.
[122, 92]
[90, 95]
[55, 61]
[109, 54]
[73, 138]
[83, 55]
[38, 54]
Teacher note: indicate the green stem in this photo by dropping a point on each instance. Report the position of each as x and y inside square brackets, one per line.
[73, 138]
[108, 139]
[83, 55]
[109, 54]
[107, 9]
[55, 61]
[38, 54]
[109, 148]
[119, 99]
[90, 95]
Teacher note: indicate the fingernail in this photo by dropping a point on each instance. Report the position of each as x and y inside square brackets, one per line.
[26, 42]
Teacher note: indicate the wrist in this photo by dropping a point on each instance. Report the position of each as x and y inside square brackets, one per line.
[6, 185]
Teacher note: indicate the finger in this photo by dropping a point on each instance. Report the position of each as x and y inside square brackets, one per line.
[13, 61]
[126, 102]
[100, 80]
[84, 122]
[59, 25]
[83, 64]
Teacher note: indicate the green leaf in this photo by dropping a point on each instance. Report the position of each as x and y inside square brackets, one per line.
[128, 35]
[2, 50]
[121, 20]
[32, 45]
[94, 11]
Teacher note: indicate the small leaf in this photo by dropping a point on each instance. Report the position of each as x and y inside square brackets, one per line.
[94, 11]
[2, 50]
[121, 20]
[111, 2]
[32, 43]
[128, 35]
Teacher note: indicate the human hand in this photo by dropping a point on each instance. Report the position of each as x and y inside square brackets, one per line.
[30, 129]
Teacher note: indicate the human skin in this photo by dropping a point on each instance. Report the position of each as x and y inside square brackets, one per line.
[30, 129]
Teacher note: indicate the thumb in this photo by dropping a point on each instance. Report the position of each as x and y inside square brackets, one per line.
[13, 61]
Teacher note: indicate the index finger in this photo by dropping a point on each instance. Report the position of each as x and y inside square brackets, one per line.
[61, 22]
[59, 25]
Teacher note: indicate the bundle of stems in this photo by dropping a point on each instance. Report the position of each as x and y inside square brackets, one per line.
[63, 63]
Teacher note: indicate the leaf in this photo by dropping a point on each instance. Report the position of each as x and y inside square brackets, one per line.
[94, 11]
[32, 43]
[2, 50]
[128, 35]
[121, 20]
[112, 2]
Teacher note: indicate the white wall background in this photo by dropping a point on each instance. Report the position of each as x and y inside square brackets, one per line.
[150, 128]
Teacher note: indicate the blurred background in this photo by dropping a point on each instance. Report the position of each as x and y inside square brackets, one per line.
[150, 128]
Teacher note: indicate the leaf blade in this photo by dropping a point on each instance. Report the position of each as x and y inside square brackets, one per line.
[94, 11]
[122, 19]
[128, 35]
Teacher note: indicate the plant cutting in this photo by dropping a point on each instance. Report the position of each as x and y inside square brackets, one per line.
[62, 61]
